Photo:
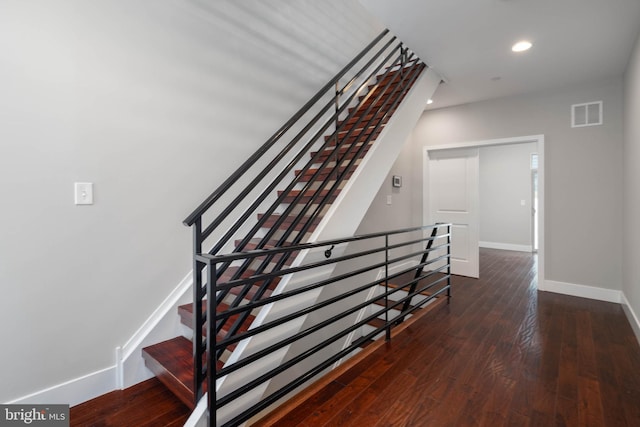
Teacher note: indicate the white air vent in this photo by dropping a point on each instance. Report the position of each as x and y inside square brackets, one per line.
[589, 114]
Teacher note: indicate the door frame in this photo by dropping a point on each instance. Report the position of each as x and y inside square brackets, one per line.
[539, 140]
[534, 210]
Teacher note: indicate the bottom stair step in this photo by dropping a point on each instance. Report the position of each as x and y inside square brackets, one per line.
[172, 362]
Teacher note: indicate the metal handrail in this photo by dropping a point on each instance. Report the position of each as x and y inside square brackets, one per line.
[435, 280]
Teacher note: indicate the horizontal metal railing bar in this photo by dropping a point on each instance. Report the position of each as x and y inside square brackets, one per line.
[420, 240]
[277, 273]
[292, 316]
[411, 268]
[190, 220]
[289, 363]
[301, 379]
[289, 340]
[205, 257]
[314, 371]
[252, 358]
[293, 142]
[404, 313]
[283, 272]
[411, 255]
[422, 277]
[257, 330]
[300, 290]
[268, 350]
[233, 338]
[274, 251]
[411, 295]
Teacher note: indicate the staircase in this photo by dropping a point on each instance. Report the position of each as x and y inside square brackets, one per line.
[301, 200]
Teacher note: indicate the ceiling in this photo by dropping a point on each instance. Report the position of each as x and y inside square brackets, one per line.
[468, 42]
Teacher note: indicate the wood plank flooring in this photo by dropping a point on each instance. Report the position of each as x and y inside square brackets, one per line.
[500, 354]
[148, 404]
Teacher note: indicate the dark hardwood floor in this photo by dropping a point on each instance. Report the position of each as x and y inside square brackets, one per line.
[148, 404]
[500, 354]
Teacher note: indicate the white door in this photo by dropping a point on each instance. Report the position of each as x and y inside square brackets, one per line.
[453, 197]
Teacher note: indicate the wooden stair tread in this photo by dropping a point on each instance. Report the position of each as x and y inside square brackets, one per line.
[188, 309]
[186, 317]
[271, 220]
[380, 302]
[307, 196]
[144, 404]
[324, 173]
[376, 323]
[354, 138]
[172, 362]
[253, 244]
[344, 155]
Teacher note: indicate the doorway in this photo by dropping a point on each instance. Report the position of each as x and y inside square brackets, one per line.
[537, 214]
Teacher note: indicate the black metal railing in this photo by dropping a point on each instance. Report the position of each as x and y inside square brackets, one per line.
[345, 116]
[362, 279]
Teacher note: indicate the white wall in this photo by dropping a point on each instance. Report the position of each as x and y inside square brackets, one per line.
[399, 214]
[505, 181]
[631, 226]
[583, 171]
[155, 102]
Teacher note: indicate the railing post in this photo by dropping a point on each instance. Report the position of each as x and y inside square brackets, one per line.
[403, 62]
[386, 288]
[212, 366]
[197, 310]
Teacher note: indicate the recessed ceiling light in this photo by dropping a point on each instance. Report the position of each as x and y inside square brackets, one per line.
[521, 46]
[429, 101]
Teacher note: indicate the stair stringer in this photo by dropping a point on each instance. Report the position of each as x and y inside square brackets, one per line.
[342, 219]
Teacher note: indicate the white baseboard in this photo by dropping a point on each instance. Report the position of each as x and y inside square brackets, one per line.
[506, 246]
[162, 324]
[631, 316]
[583, 291]
[74, 391]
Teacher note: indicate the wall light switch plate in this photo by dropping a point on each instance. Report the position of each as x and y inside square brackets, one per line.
[84, 193]
[389, 199]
